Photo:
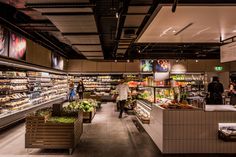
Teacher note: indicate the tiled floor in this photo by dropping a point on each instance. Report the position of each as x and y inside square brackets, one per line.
[106, 136]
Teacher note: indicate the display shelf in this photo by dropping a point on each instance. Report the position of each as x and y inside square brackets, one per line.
[14, 116]
[142, 111]
[40, 89]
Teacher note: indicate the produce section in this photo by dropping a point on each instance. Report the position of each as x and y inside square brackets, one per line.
[46, 131]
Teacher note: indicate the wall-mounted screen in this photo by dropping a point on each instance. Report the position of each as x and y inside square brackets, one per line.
[146, 65]
[3, 41]
[161, 65]
[57, 61]
[228, 52]
[17, 47]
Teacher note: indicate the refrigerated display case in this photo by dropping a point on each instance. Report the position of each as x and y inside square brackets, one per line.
[24, 92]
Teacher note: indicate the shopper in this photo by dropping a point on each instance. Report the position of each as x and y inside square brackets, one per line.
[215, 88]
[80, 89]
[232, 93]
[71, 91]
[123, 92]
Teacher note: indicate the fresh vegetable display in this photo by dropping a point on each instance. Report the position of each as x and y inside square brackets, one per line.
[62, 119]
[44, 112]
[86, 105]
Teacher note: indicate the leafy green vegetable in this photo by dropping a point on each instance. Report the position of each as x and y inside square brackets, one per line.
[62, 119]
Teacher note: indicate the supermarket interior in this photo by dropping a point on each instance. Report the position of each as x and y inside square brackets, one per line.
[97, 78]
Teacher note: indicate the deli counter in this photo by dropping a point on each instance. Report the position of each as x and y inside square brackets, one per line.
[184, 128]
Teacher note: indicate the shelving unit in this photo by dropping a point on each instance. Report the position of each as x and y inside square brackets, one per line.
[103, 83]
[23, 92]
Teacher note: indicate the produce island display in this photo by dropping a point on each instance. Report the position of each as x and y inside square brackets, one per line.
[54, 132]
[176, 126]
[87, 106]
[24, 92]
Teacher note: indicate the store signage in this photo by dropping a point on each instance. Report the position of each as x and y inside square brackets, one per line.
[218, 68]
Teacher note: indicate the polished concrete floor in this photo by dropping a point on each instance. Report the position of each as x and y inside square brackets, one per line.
[106, 136]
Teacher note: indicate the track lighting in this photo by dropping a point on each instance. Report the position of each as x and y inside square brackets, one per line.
[174, 5]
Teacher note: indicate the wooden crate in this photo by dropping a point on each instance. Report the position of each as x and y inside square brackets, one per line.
[88, 116]
[51, 135]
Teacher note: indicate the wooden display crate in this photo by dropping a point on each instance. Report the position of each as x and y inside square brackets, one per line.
[49, 135]
[88, 116]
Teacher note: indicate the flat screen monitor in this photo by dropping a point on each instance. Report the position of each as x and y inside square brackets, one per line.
[161, 65]
[4, 36]
[146, 65]
[57, 61]
[228, 52]
[17, 47]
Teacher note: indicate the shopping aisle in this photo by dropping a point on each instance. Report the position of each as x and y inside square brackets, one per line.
[106, 136]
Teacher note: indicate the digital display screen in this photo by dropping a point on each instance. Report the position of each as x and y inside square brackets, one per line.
[146, 65]
[161, 65]
[57, 61]
[4, 35]
[17, 47]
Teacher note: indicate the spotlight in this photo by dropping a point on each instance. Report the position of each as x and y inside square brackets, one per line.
[115, 60]
[176, 60]
[117, 15]
[128, 60]
[196, 61]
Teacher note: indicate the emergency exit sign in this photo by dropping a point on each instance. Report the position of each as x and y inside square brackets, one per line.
[218, 68]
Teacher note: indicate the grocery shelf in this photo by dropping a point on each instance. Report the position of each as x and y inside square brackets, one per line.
[10, 118]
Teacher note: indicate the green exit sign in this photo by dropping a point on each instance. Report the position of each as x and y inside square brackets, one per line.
[218, 68]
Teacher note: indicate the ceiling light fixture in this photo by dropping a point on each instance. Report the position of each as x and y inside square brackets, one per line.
[165, 31]
[199, 32]
[117, 15]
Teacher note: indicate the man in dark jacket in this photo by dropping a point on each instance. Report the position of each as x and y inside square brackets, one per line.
[215, 88]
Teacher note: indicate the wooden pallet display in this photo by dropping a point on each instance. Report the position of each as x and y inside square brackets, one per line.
[88, 116]
[51, 135]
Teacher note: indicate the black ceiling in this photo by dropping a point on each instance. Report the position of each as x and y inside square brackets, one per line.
[113, 18]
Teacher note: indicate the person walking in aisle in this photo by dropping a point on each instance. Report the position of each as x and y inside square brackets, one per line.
[123, 91]
[215, 88]
[80, 89]
[71, 91]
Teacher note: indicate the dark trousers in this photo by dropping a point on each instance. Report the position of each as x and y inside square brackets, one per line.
[122, 105]
[81, 96]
